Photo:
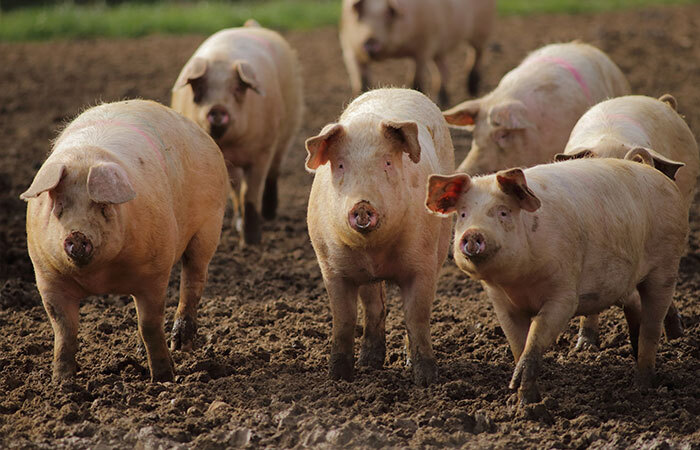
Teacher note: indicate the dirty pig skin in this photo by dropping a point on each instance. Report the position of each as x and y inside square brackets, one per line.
[128, 189]
[565, 239]
[368, 223]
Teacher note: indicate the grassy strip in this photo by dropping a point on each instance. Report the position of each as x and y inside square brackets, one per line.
[134, 19]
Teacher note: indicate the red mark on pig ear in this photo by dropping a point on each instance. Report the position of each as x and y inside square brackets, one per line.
[47, 179]
[317, 146]
[574, 154]
[649, 157]
[512, 182]
[193, 74]
[444, 192]
[404, 135]
[109, 183]
[463, 114]
[246, 78]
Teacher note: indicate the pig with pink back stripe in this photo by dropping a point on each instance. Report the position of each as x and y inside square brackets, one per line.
[527, 119]
[243, 86]
[128, 190]
[653, 132]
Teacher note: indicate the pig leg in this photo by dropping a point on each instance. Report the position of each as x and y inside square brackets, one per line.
[588, 333]
[673, 324]
[235, 175]
[252, 196]
[373, 349]
[195, 262]
[633, 312]
[551, 319]
[417, 295]
[443, 98]
[474, 71]
[421, 78]
[343, 297]
[269, 200]
[150, 309]
[358, 72]
[515, 326]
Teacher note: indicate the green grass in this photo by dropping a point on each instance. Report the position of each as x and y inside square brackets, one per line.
[137, 19]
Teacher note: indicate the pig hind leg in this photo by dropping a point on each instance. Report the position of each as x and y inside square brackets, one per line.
[417, 298]
[343, 299]
[195, 263]
[373, 350]
[588, 333]
[150, 308]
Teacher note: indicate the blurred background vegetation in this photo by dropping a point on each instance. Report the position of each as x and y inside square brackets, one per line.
[47, 19]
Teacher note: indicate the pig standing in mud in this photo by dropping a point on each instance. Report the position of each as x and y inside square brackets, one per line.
[527, 119]
[424, 30]
[566, 239]
[243, 86]
[367, 222]
[128, 189]
[612, 129]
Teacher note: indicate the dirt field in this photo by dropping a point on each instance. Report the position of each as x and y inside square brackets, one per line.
[265, 320]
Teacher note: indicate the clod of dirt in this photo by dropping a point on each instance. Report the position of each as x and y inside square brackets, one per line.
[19, 295]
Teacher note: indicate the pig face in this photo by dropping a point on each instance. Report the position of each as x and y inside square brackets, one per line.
[368, 166]
[220, 91]
[380, 27]
[503, 135]
[80, 211]
[490, 233]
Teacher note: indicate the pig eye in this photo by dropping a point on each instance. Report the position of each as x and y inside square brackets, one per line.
[340, 166]
[104, 209]
[388, 163]
[58, 209]
[464, 215]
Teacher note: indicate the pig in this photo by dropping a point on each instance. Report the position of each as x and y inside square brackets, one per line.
[243, 86]
[613, 128]
[423, 30]
[368, 225]
[527, 119]
[564, 239]
[128, 189]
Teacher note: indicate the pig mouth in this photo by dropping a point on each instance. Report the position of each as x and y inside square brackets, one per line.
[217, 131]
[78, 248]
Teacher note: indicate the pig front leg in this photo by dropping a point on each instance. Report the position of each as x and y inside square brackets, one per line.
[255, 177]
[474, 73]
[150, 309]
[443, 97]
[587, 333]
[373, 349]
[421, 77]
[358, 72]
[343, 298]
[235, 175]
[515, 324]
[417, 295]
[551, 319]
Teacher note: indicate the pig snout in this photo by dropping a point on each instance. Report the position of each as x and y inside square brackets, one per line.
[363, 217]
[473, 245]
[219, 120]
[78, 247]
[373, 47]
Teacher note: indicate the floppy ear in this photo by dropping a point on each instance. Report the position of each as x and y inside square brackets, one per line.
[670, 100]
[463, 114]
[358, 6]
[404, 135]
[395, 8]
[649, 157]
[109, 183]
[576, 153]
[317, 146]
[512, 182]
[510, 115]
[444, 192]
[48, 177]
[193, 74]
[245, 75]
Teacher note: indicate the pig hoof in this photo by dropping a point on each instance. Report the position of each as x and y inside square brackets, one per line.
[372, 357]
[252, 226]
[183, 334]
[645, 379]
[64, 371]
[586, 342]
[673, 325]
[341, 367]
[424, 372]
[163, 372]
[529, 395]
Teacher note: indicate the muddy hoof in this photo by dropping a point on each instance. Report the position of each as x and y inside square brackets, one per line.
[341, 367]
[163, 371]
[183, 334]
[587, 341]
[372, 356]
[64, 371]
[645, 379]
[529, 395]
[424, 372]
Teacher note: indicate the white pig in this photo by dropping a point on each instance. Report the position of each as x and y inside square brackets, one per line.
[614, 127]
[367, 221]
[129, 189]
[243, 86]
[527, 119]
[423, 30]
[564, 239]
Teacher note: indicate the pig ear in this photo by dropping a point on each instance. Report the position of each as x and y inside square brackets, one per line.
[317, 146]
[109, 183]
[512, 182]
[195, 69]
[395, 8]
[357, 6]
[444, 192]
[511, 115]
[577, 153]
[246, 77]
[463, 114]
[647, 156]
[405, 135]
[48, 177]
[670, 100]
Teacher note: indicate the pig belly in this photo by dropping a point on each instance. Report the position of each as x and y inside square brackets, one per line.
[597, 295]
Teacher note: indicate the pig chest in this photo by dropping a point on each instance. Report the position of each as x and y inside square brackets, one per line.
[368, 266]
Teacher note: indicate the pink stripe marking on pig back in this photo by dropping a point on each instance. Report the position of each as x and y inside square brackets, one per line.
[260, 40]
[630, 121]
[137, 130]
[567, 65]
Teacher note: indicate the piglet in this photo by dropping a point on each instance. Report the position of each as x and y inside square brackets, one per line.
[129, 189]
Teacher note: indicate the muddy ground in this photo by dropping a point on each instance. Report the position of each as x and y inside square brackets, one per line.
[258, 376]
